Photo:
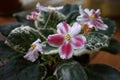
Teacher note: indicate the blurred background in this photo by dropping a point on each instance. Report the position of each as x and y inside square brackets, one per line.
[109, 8]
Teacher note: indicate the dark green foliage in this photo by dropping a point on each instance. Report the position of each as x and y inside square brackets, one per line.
[47, 31]
[7, 28]
[53, 18]
[5, 51]
[71, 12]
[70, 71]
[21, 38]
[21, 17]
[20, 69]
[51, 78]
[83, 59]
[71, 17]
[102, 72]
[69, 8]
[113, 47]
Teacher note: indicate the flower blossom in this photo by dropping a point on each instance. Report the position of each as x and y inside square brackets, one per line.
[91, 18]
[67, 39]
[32, 53]
[33, 15]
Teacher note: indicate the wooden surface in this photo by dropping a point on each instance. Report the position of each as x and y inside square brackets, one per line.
[101, 57]
[105, 57]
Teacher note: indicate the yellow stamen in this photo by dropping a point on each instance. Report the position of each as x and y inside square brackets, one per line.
[92, 16]
[67, 37]
[33, 47]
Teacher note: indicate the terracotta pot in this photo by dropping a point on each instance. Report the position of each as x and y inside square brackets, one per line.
[9, 6]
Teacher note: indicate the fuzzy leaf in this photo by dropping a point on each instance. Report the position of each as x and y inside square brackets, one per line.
[33, 72]
[51, 78]
[95, 41]
[69, 8]
[113, 47]
[50, 50]
[102, 72]
[47, 31]
[21, 38]
[83, 59]
[71, 12]
[21, 69]
[70, 71]
[21, 17]
[111, 28]
[5, 51]
[53, 18]
[7, 28]
[71, 17]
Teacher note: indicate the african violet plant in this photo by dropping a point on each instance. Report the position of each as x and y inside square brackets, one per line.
[54, 43]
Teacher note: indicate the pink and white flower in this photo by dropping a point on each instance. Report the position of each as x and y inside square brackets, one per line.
[91, 18]
[32, 53]
[33, 16]
[67, 39]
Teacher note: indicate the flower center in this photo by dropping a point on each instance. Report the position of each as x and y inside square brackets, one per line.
[92, 16]
[67, 37]
[33, 47]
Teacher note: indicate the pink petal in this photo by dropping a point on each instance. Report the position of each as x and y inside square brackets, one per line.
[100, 25]
[66, 50]
[29, 17]
[31, 55]
[87, 11]
[83, 19]
[63, 28]
[76, 28]
[103, 27]
[55, 40]
[98, 12]
[39, 47]
[78, 42]
[34, 14]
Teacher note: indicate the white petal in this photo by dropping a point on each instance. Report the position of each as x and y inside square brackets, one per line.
[98, 11]
[76, 28]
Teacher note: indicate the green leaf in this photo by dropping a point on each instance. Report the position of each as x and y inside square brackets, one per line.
[53, 18]
[113, 47]
[21, 38]
[50, 50]
[83, 59]
[47, 31]
[102, 72]
[51, 78]
[71, 12]
[69, 8]
[95, 41]
[21, 69]
[21, 17]
[70, 71]
[33, 72]
[111, 27]
[71, 17]
[7, 28]
[5, 51]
